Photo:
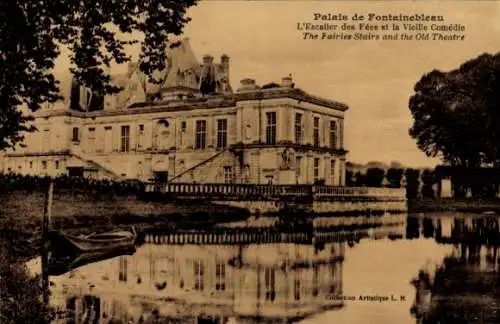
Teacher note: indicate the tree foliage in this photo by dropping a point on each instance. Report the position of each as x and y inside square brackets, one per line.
[456, 114]
[394, 176]
[20, 293]
[32, 33]
[374, 177]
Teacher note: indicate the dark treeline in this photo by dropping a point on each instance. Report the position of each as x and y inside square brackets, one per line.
[15, 182]
[481, 183]
[416, 182]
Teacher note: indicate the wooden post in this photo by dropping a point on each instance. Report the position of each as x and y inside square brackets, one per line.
[47, 213]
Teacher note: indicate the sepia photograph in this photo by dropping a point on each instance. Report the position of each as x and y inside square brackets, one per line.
[249, 161]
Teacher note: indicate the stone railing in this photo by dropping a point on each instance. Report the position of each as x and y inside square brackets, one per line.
[230, 191]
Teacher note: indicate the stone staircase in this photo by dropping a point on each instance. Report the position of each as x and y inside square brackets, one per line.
[107, 172]
[204, 170]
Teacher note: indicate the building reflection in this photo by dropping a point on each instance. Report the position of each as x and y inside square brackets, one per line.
[465, 287]
[256, 283]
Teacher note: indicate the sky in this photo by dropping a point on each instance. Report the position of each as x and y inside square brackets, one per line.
[374, 78]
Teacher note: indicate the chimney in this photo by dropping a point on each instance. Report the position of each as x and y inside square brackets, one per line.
[287, 81]
[247, 84]
[208, 60]
[224, 62]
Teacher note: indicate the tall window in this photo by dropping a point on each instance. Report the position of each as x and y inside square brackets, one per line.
[201, 134]
[316, 169]
[91, 139]
[316, 132]
[220, 276]
[228, 174]
[271, 128]
[332, 171]
[270, 284]
[122, 274]
[125, 139]
[296, 286]
[332, 284]
[76, 134]
[298, 161]
[140, 137]
[333, 134]
[298, 128]
[221, 133]
[199, 271]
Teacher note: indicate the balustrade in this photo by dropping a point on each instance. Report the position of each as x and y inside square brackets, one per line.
[274, 191]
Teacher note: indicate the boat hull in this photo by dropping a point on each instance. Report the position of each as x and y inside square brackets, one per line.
[74, 244]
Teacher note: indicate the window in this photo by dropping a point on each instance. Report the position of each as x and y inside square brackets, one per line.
[201, 134]
[183, 126]
[140, 137]
[44, 165]
[271, 128]
[270, 284]
[108, 139]
[333, 134]
[315, 281]
[31, 164]
[228, 174]
[91, 139]
[125, 139]
[220, 276]
[332, 171]
[298, 160]
[298, 128]
[57, 164]
[221, 133]
[332, 284]
[122, 272]
[316, 169]
[316, 132]
[199, 271]
[76, 134]
[296, 286]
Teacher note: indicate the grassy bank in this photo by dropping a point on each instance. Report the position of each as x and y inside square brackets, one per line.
[21, 215]
[453, 205]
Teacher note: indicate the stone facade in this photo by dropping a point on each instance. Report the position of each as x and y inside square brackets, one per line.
[191, 128]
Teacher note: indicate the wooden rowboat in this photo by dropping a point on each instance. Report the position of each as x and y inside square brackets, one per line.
[103, 242]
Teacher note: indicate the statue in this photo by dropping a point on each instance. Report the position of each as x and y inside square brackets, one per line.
[286, 159]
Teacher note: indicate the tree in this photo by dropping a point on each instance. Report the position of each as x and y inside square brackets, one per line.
[412, 183]
[456, 113]
[374, 177]
[359, 179]
[428, 180]
[20, 293]
[394, 176]
[32, 33]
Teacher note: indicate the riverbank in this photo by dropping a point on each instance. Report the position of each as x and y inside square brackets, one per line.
[21, 216]
[467, 205]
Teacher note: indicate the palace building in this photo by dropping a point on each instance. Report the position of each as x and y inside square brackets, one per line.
[192, 128]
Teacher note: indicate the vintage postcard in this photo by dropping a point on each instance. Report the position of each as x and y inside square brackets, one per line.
[231, 161]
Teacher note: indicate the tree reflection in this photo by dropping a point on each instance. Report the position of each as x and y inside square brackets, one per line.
[466, 287]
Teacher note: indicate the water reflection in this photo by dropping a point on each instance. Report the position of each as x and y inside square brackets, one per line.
[447, 265]
[465, 287]
[219, 276]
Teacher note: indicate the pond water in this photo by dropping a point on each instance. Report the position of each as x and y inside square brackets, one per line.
[440, 268]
